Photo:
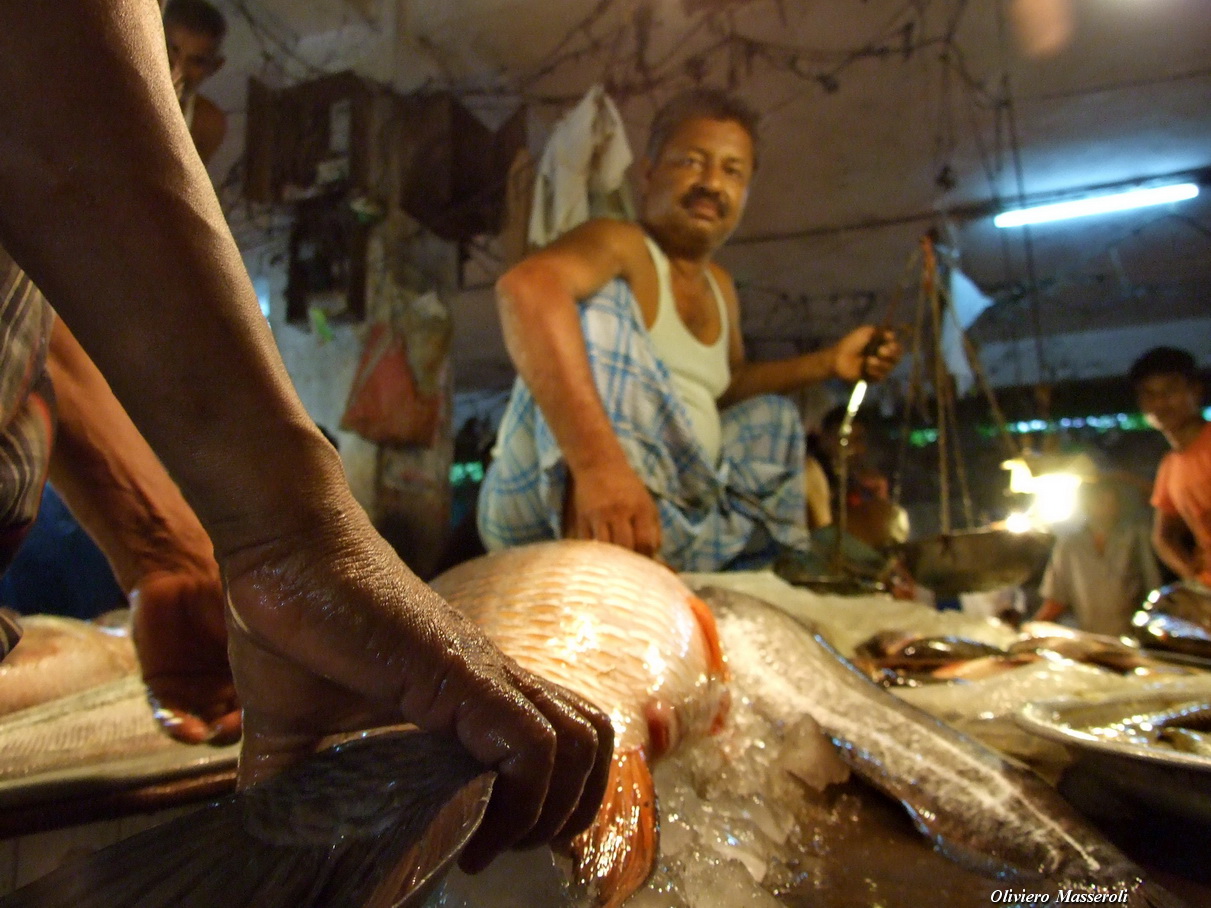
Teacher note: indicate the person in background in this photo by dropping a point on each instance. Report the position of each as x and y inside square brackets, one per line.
[1100, 573]
[866, 482]
[194, 31]
[637, 418]
[1169, 392]
[328, 631]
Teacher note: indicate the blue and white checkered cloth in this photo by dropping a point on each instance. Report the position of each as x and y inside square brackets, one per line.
[733, 515]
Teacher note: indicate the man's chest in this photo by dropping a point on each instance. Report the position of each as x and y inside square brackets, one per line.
[691, 301]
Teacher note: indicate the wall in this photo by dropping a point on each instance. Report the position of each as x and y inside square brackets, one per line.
[1094, 354]
[321, 370]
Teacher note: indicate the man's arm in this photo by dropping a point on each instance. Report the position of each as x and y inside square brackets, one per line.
[848, 359]
[114, 219]
[538, 303]
[1050, 610]
[1169, 540]
[1054, 587]
[161, 556]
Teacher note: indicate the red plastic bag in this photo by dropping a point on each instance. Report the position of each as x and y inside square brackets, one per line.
[385, 405]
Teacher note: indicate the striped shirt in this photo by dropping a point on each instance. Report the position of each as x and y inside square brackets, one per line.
[27, 421]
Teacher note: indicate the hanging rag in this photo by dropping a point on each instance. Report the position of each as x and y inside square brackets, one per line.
[582, 171]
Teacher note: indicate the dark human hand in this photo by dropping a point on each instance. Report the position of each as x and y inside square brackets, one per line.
[855, 359]
[330, 636]
[181, 640]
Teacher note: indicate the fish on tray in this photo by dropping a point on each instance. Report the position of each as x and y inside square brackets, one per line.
[1177, 618]
[57, 657]
[976, 807]
[374, 822]
[896, 658]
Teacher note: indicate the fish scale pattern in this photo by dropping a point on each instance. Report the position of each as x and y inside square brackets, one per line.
[615, 627]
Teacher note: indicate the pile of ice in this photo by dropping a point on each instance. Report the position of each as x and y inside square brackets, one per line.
[730, 809]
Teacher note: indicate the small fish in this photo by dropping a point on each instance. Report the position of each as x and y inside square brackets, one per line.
[972, 804]
[914, 647]
[94, 742]
[1177, 618]
[628, 635]
[1186, 741]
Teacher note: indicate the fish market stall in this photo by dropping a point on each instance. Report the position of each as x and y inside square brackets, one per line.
[817, 786]
[765, 814]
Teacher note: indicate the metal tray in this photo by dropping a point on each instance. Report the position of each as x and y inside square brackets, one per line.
[1103, 732]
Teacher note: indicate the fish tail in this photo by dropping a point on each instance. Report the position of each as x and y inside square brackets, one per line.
[615, 856]
[373, 822]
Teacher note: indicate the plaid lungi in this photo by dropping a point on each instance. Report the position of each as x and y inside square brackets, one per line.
[730, 515]
[27, 406]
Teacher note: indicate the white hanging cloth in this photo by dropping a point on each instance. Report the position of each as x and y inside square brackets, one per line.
[582, 171]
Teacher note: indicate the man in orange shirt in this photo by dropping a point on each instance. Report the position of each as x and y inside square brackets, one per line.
[1169, 392]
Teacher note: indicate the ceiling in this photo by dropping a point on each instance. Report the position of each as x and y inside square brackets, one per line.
[881, 119]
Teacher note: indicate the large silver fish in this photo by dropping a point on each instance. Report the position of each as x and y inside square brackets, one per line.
[975, 807]
[374, 822]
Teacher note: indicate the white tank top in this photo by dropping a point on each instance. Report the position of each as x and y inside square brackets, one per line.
[699, 371]
[188, 103]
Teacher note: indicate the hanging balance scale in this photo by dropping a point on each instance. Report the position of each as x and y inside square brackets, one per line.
[973, 559]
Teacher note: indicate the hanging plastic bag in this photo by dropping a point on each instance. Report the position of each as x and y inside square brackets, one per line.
[387, 405]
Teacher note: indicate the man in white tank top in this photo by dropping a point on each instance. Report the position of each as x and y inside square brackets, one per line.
[694, 185]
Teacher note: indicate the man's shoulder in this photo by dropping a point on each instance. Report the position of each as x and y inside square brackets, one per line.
[209, 126]
[627, 234]
[206, 112]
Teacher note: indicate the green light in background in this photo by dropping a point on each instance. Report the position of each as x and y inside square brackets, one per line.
[472, 471]
[1102, 422]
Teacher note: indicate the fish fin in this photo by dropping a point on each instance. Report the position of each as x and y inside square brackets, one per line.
[615, 855]
[373, 822]
[716, 661]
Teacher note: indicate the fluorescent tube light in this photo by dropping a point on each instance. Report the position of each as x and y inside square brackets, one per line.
[1100, 204]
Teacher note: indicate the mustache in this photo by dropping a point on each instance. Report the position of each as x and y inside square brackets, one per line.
[702, 194]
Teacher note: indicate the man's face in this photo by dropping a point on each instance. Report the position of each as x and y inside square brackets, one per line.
[695, 191]
[1168, 401]
[193, 57]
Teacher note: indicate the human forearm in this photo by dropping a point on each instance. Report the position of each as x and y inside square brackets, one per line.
[106, 205]
[113, 482]
[1172, 550]
[1050, 610]
[866, 352]
[542, 333]
[117, 213]
[779, 376]
[1169, 541]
